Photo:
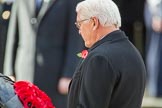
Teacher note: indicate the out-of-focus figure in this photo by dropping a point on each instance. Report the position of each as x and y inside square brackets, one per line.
[42, 44]
[153, 21]
[133, 21]
[5, 8]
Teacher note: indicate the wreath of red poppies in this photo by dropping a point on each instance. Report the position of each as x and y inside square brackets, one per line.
[31, 96]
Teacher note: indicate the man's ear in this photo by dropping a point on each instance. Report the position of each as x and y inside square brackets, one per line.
[95, 23]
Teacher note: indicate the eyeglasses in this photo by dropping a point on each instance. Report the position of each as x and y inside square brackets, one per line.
[78, 23]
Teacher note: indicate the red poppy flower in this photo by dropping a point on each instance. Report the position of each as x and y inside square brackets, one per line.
[83, 54]
[31, 96]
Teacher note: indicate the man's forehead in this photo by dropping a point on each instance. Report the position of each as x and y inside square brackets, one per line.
[78, 16]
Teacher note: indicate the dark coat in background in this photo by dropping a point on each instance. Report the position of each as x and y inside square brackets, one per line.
[42, 48]
[133, 21]
[112, 76]
[4, 19]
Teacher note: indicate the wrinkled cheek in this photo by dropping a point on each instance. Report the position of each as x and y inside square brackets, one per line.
[87, 41]
[86, 35]
[82, 35]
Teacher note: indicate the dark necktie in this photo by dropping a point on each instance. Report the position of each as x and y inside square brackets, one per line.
[38, 4]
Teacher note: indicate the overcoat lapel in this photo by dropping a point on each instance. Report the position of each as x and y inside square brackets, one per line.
[45, 7]
[31, 6]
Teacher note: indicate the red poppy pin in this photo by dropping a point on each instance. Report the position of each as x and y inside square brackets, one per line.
[83, 54]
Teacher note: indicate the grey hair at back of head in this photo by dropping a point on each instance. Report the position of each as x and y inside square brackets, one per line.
[105, 10]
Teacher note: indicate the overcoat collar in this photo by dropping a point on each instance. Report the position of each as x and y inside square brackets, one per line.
[31, 6]
[113, 36]
[45, 7]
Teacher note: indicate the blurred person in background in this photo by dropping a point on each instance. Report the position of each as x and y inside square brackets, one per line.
[41, 46]
[5, 8]
[153, 21]
[133, 21]
[132, 14]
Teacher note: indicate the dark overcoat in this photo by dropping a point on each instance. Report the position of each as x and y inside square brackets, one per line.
[42, 48]
[57, 45]
[112, 76]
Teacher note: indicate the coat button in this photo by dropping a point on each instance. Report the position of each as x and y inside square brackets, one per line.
[33, 20]
[40, 59]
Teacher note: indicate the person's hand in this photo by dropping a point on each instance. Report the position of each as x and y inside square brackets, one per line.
[157, 24]
[63, 85]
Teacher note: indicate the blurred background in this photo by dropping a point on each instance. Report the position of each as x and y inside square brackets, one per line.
[142, 22]
[5, 11]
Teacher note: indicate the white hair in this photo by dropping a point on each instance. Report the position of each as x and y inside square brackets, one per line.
[105, 10]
